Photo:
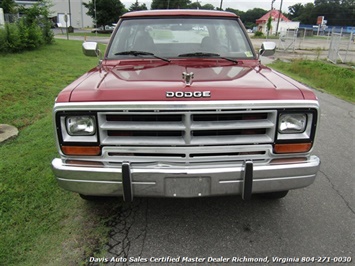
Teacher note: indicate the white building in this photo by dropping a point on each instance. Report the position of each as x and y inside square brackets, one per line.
[278, 22]
[78, 18]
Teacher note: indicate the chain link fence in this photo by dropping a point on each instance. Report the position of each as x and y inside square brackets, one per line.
[337, 46]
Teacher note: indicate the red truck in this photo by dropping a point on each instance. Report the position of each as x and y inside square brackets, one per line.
[181, 106]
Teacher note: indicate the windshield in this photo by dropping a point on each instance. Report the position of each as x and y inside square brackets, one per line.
[177, 37]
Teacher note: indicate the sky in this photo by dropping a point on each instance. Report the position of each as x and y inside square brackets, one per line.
[236, 4]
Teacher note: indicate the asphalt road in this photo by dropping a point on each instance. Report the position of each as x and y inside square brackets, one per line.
[317, 222]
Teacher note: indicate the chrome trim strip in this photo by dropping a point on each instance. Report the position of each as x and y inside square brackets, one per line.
[185, 105]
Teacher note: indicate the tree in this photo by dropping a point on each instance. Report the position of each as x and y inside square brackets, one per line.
[9, 6]
[170, 4]
[336, 12]
[268, 26]
[136, 7]
[194, 5]
[295, 11]
[237, 12]
[250, 16]
[208, 7]
[307, 16]
[107, 11]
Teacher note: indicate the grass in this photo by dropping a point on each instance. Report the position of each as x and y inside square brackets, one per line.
[336, 80]
[40, 223]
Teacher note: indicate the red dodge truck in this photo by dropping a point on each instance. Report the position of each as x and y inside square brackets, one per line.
[180, 106]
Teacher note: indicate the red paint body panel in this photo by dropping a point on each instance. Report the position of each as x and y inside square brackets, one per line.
[150, 80]
[179, 12]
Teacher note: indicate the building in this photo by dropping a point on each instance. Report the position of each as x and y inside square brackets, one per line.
[78, 18]
[284, 23]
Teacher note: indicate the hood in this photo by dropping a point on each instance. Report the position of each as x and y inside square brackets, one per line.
[152, 82]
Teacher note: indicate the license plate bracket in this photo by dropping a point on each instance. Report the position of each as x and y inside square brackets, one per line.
[187, 186]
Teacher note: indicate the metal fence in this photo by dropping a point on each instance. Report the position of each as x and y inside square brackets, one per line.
[335, 46]
[341, 47]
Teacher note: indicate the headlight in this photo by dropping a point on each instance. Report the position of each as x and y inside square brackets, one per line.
[81, 125]
[292, 123]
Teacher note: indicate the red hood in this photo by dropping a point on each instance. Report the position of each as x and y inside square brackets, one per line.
[150, 82]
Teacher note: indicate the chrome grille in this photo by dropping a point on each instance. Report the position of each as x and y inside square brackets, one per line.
[187, 128]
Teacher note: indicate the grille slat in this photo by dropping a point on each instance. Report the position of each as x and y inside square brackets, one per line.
[187, 127]
[232, 125]
[141, 126]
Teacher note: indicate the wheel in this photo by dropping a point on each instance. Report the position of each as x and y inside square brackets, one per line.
[273, 195]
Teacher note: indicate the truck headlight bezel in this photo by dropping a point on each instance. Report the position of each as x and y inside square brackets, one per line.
[77, 128]
[295, 130]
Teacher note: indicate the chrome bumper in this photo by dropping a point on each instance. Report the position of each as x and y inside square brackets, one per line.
[155, 180]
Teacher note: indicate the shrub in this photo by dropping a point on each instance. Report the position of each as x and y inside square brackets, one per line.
[258, 34]
[29, 32]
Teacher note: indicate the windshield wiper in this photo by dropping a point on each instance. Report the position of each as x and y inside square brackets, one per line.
[198, 54]
[137, 53]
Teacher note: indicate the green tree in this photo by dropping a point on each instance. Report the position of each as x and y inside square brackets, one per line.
[250, 16]
[170, 4]
[295, 11]
[307, 16]
[9, 6]
[268, 26]
[237, 12]
[208, 7]
[336, 12]
[136, 7]
[107, 11]
[194, 5]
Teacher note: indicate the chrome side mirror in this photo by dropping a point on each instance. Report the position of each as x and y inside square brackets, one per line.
[267, 49]
[91, 49]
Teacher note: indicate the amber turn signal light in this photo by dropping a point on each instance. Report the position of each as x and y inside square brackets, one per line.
[292, 147]
[81, 150]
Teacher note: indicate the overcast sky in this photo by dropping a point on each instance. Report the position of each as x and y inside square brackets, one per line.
[236, 4]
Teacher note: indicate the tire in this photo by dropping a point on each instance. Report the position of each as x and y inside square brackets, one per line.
[91, 198]
[274, 195]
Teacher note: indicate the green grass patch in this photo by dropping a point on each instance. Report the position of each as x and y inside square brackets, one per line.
[30, 81]
[336, 80]
[40, 223]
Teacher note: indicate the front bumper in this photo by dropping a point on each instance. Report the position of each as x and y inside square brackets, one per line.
[163, 180]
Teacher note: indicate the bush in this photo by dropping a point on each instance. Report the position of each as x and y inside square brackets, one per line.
[258, 34]
[29, 32]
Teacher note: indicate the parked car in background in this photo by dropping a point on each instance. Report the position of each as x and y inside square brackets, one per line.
[104, 29]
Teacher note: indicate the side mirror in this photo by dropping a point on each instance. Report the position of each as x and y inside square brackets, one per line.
[91, 49]
[267, 48]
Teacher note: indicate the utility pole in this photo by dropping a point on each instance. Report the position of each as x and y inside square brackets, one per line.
[220, 7]
[70, 25]
[278, 20]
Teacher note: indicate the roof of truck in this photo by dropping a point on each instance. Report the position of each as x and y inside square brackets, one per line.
[179, 12]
